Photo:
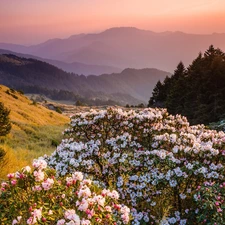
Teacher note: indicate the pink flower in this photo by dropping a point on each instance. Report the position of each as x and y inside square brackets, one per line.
[85, 222]
[77, 176]
[4, 184]
[47, 184]
[108, 208]
[39, 175]
[219, 210]
[11, 175]
[37, 188]
[26, 169]
[31, 220]
[40, 164]
[13, 182]
[14, 222]
[61, 222]
[37, 213]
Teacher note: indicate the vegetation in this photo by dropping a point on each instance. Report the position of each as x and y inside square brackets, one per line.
[197, 92]
[5, 125]
[160, 165]
[33, 130]
[37, 197]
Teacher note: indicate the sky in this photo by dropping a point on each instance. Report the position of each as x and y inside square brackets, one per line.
[33, 21]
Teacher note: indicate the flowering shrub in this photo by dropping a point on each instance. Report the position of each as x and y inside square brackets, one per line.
[37, 197]
[154, 160]
[210, 203]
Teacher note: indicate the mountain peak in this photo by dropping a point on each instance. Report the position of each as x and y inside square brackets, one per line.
[114, 30]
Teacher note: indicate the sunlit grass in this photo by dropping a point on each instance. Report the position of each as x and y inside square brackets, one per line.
[35, 131]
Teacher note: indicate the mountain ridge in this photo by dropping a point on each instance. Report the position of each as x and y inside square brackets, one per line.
[125, 47]
[75, 67]
[132, 85]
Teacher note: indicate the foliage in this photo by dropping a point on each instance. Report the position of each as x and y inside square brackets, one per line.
[12, 93]
[2, 153]
[210, 203]
[37, 197]
[196, 92]
[5, 125]
[79, 103]
[154, 160]
[58, 110]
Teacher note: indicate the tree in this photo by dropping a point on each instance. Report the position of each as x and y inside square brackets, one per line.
[79, 103]
[197, 92]
[176, 93]
[157, 95]
[5, 125]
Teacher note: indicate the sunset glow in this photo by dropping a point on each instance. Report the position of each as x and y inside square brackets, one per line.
[30, 22]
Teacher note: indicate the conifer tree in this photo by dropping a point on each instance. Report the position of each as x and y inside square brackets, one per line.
[197, 92]
[5, 125]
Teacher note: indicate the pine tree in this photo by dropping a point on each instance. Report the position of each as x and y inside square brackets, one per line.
[197, 92]
[156, 95]
[5, 125]
[175, 95]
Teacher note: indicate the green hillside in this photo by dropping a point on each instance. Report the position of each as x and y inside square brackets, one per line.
[35, 130]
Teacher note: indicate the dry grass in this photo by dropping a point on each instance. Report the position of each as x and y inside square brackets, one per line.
[35, 130]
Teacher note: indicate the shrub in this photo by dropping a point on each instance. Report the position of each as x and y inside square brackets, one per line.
[12, 93]
[79, 103]
[5, 125]
[55, 143]
[210, 204]
[2, 153]
[37, 197]
[154, 160]
[58, 110]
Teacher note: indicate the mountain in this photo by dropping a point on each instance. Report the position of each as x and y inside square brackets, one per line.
[131, 86]
[74, 67]
[125, 47]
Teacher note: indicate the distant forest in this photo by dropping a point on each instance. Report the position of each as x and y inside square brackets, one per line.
[197, 92]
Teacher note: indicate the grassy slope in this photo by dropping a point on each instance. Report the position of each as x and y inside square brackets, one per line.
[33, 129]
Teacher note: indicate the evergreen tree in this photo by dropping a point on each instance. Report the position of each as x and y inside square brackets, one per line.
[5, 125]
[157, 97]
[197, 92]
[175, 95]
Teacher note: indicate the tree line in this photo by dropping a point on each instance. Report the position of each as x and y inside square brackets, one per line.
[198, 91]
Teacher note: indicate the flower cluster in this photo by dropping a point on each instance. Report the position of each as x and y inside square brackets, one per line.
[154, 160]
[37, 197]
[210, 203]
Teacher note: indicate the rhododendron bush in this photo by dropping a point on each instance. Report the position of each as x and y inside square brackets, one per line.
[37, 197]
[156, 162]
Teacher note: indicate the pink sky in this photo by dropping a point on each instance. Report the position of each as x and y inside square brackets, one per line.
[33, 21]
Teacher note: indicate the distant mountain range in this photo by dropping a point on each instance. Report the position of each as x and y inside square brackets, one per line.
[75, 67]
[122, 48]
[131, 86]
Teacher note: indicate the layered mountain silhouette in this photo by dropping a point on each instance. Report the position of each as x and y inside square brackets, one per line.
[75, 67]
[131, 86]
[125, 47]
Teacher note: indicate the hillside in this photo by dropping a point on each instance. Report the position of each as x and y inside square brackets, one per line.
[74, 67]
[125, 47]
[35, 130]
[131, 86]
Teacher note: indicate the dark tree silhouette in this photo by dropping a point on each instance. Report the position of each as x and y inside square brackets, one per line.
[5, 125]
[197, 92]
